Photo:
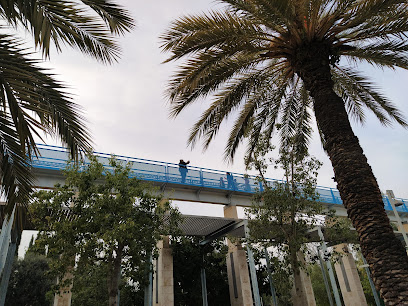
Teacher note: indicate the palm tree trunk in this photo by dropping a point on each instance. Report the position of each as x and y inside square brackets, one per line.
[355, 180]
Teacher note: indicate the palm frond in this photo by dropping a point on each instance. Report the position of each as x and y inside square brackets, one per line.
[357, 91]
[253, 108]
[31, 101]
[275, 14]
[35, 100]
[388, 54]
[204, 74]
[267, 116]
[210, 32]
[224, 49]
[68, 22]
[373, 20]
[16, 178]
[115, 16]
[226, 101]
[295, 122]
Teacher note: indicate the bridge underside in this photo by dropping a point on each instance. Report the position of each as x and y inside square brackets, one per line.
[47, 178]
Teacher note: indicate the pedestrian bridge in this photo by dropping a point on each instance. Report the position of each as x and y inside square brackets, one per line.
[199, 185]
[207, 186]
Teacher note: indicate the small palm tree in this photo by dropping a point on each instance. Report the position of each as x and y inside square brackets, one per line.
[277, 62]
[31, 99]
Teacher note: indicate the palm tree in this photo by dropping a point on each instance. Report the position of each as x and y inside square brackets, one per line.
[273, 63]
[31, 99]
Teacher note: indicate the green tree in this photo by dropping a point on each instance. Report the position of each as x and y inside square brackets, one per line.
[319, 289]
[32, 100]
[90, 288]
[104, 217]
[284, 212]
[277, 62]
[30, 282]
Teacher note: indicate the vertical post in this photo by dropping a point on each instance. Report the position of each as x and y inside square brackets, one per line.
[254, 280]
[203, 282]
[329, 269]
[7, 271]
[376, 298]
[148, 294]
[334, 198]
[272, 288]
[204, 287]
[391, 198]
[326, 281]
[5, 238]
[252, 269]
[201, 178]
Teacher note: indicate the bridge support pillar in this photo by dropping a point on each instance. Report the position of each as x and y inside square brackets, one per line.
[237, 268]
[63, 298]
[163, 282]
[303, 294]
[349, 280]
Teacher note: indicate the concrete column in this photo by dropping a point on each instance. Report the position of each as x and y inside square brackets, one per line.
[237, 268]
[163, 283]
[65, 294]
[306, 294]
[349, 280]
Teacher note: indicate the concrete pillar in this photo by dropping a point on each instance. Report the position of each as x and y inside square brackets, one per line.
[65, 294]
[306, 294]
[163, 282]
[349, 280]
[237, 268]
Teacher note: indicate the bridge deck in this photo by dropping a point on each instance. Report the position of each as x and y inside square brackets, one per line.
[54, 159]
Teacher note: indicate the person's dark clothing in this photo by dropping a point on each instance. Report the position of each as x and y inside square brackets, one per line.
[247, 187]
[230, 181]
[222, 184]
[183, 170]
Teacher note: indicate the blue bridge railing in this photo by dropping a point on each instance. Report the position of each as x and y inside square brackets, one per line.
[56, 158]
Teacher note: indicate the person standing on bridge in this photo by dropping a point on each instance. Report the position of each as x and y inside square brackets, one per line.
[183, 170]
[230, 181]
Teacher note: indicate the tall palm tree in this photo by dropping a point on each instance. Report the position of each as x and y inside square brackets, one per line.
[275, 63]
[31, 100]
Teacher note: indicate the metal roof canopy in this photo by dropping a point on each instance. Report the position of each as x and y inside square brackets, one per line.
[211, 227]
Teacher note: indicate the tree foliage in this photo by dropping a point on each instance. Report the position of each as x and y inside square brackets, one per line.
[188, 259]
[245, 57]
[32, 100]
[90, 285]
[30, 282]
[103, 217]
[285, 212]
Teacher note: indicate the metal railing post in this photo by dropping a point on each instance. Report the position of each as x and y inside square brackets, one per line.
[334, 198]
[376, 298]
[326, 281]
[271, 286]
[329, 268]
[252, 270]
[391, 198]
[201, 177]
